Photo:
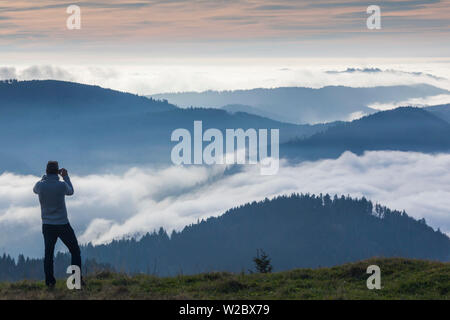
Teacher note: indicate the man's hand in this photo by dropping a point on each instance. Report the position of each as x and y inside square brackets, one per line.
[63, 172]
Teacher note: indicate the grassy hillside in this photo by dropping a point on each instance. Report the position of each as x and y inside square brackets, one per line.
[400, 279]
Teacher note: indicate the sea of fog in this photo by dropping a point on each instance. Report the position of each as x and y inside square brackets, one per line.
[112, 206]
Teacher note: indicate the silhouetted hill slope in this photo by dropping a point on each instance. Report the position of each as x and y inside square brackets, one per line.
[442, 111]
[403, 129]
[296, 231]
[33, 269]
[70, 98]
[304, 105]
[89, 128]
[234, 108]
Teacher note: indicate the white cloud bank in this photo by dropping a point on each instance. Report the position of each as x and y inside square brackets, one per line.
[415, 102]
[112, 206]
[161, 76]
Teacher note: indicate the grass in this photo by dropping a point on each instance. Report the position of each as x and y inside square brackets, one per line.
[400, 279]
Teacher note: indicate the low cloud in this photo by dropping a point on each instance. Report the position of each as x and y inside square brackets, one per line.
[390, 71]
[37, 72]
[162, 77]
[415, 102]
[46, 72]
[7, 73]
[107, 207]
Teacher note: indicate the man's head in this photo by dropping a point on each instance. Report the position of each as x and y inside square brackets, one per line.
[52, 167]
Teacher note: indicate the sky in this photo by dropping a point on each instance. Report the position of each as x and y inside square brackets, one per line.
[138, 32]
[113, 206]
[154, 46]
[226, 27]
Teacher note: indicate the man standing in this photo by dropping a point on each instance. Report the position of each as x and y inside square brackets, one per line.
[55, 223]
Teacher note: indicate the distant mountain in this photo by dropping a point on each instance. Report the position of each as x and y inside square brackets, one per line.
[76, 123]
[389, 71]
[442, 111]
[69, 98]
[303, 105]
[234, 108]
[296, 231]
[91, 129]
[33, 269]
[403, 129]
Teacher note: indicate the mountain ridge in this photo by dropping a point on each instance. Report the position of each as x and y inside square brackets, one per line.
[304, 105]
[101, 128]
[93, 135]
[400, 129]
[52, 95]
[300, 230]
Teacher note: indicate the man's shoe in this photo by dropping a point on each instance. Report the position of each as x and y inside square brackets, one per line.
[50, 286]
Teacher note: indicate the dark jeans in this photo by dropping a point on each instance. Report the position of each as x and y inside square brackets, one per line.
[67, 236]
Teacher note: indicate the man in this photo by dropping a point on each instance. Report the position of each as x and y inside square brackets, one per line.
[55, 223]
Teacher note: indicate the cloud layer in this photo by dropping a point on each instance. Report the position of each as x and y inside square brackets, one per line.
[113, 206]
[151, 77]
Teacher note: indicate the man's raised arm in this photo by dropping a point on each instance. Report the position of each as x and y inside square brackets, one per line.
[69, 187]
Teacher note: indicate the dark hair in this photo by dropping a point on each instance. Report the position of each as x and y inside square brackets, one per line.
[52, 167]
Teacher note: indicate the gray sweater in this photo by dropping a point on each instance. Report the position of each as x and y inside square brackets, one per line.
[52, 194]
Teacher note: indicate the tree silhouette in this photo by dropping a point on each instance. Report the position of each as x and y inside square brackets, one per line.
[262, 262]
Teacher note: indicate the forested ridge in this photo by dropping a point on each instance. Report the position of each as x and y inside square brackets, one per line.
[296, 231]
